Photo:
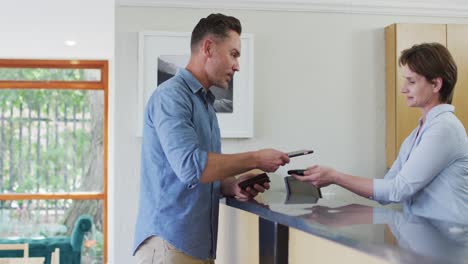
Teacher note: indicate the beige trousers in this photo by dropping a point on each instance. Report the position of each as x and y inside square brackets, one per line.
[155, 250]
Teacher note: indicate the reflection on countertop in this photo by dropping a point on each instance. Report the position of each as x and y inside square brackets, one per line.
[384, 231]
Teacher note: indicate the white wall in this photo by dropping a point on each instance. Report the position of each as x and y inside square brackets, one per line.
[31, 29]
[38, 29]
[319, 83]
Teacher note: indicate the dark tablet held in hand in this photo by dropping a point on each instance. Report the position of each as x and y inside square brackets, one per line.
[294, 186]
[259, 179]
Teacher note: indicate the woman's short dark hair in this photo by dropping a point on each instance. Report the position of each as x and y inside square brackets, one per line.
[432, 60]
[217, 25]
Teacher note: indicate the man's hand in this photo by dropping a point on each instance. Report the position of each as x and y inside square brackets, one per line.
[269, 160]
[230, 187]
[222, 166]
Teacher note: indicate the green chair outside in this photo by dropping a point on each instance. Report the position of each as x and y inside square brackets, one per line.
[70, 247]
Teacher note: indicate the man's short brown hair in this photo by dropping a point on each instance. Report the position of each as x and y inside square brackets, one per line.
[217, 25]
[432, 60]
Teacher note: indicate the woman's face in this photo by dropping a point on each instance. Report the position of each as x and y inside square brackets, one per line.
[420, 92]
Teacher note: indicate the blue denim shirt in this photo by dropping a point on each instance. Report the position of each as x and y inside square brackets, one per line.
[430, 174]
[180, 128]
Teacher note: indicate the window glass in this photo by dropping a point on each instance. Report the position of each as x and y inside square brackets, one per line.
[46, 221]
[47, 74]
[51, 140]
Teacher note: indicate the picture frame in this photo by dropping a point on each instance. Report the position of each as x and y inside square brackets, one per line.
[159, 51]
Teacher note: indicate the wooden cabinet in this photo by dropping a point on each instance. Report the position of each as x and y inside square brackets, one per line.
[457, 43]
[401, 119]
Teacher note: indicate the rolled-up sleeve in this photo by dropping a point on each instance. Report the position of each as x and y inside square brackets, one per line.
[434, 153]
[172, 118]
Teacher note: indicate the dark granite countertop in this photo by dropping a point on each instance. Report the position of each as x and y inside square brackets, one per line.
[353, 221]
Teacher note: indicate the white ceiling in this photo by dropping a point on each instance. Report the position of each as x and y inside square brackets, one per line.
[451, 8]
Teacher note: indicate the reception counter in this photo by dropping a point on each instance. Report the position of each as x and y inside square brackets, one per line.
[384, 234]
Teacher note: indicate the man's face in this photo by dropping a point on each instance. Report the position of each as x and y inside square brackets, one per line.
[223, 60]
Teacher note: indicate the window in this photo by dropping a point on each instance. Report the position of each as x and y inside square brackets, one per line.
[53, 149]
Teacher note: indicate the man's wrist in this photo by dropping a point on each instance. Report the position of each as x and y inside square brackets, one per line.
[253, 158]
[226, 186]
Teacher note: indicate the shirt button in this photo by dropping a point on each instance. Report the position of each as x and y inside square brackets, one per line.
[191, 186]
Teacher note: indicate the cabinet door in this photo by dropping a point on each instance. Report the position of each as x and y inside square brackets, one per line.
[405, 118]
[407, 36]
[457, 43]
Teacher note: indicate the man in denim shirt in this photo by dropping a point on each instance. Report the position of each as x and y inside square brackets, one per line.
[183, 174]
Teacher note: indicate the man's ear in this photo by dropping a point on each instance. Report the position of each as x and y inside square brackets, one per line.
[207, 47]
[437, 82]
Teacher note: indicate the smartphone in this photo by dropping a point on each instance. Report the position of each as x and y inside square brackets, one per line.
[300, 152]
[259, 179]
[297, 172]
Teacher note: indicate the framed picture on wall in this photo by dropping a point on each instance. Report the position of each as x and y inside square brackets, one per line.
[160, 54]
